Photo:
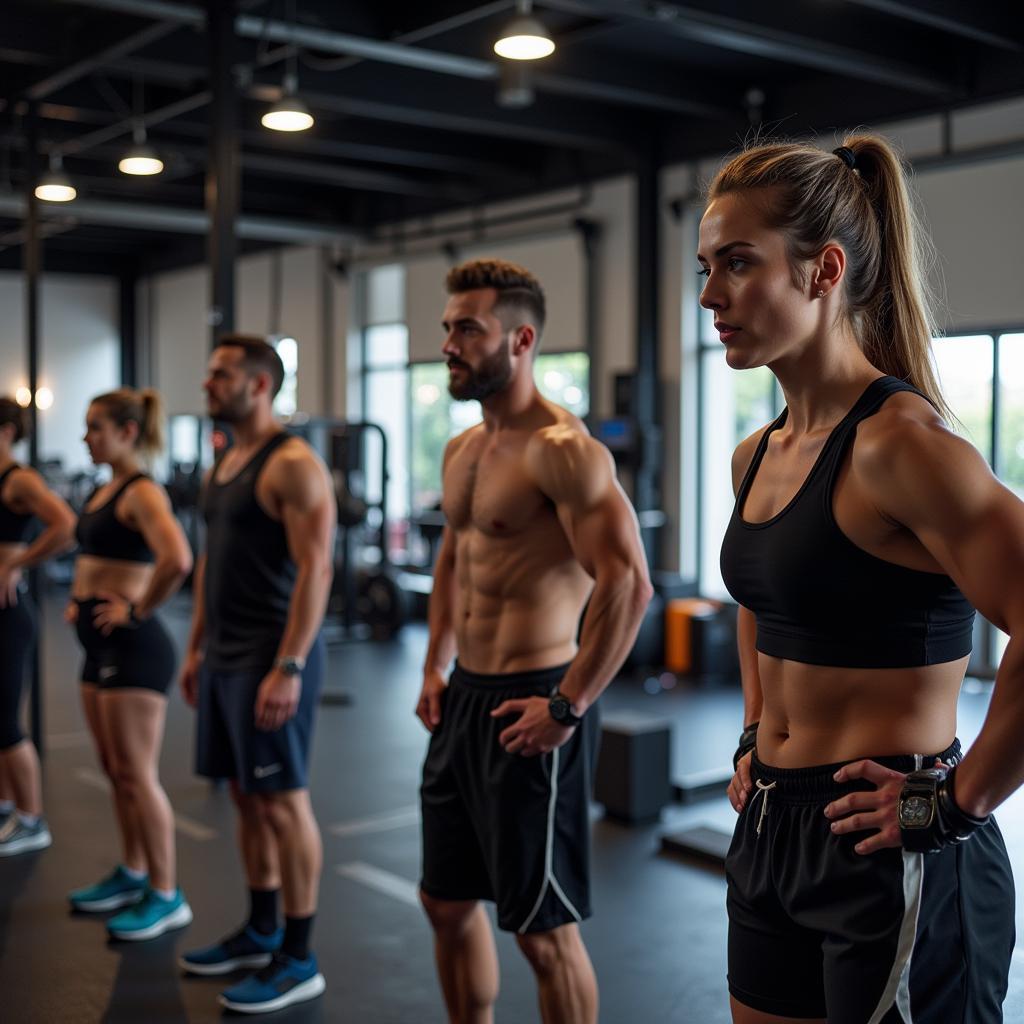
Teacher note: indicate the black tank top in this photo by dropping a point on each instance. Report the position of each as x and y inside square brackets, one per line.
[819, 598]
[13, 525]
[102, 534]
[249, 573]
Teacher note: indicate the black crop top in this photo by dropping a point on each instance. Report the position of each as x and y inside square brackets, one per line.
[819, 598]
[13, 525]
[102, 534]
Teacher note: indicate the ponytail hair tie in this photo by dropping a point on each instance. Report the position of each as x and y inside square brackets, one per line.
[847, 156]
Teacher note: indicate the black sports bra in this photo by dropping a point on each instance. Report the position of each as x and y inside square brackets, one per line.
[819, 598]
[13, 525]
[102, 534]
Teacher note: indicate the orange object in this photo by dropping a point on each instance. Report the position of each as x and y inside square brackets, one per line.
[679, 614]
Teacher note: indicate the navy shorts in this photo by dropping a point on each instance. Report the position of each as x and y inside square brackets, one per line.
[818, 930]
[500, 826]
[228, 744]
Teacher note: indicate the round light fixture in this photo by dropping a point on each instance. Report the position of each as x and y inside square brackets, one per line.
[23, 397]
[289, 113]
[524, 38]
[55, 186]
[44, 398]
[141, 159]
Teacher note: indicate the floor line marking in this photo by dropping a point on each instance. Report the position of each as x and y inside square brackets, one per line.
[378, 822]
[183, 823]
[381, 881]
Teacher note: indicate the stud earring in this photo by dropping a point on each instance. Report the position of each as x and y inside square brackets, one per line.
[821, 293]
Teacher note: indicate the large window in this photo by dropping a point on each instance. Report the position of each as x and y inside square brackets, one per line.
[436, 416]
[982, 379]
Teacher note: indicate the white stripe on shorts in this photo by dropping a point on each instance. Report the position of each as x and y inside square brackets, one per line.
[549, 842]
[897, 988]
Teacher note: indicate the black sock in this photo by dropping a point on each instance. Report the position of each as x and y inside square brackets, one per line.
[263, 910]
[296, 936]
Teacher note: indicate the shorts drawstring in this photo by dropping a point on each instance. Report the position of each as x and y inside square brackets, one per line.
[762, 791]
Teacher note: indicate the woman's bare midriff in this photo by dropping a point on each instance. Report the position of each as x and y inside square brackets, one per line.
[110, 575]
[816, 715]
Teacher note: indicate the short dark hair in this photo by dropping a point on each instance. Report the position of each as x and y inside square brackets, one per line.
[517, 288]
[11, 412]
[259, 357]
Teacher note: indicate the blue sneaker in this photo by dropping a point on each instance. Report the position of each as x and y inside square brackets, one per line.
[17, 837]
[247, 948]
[118, 889]
[151, 916]
[282, 982]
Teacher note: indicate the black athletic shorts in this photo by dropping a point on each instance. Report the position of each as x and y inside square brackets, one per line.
[228, 744]
[17, 635]
[503, 827]
[818, 930]
[140, 656]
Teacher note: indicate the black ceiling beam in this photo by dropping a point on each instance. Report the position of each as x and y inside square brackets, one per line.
[90, 62]
[976, 24]
[758, 40]
[404, 55]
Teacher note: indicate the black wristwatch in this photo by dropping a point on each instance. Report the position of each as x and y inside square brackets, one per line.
[747, 743]
[290, 665]
[561, 710]
[929, 817]
[918, 803]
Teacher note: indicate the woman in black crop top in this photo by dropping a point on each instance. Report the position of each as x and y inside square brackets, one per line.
[133, 556]
[868, 883]
[24, 497]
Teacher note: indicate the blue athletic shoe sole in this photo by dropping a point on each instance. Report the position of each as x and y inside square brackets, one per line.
[305, 990]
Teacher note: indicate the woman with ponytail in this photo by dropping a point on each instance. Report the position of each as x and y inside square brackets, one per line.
[24, 497]
[133, 556]
[867, 880]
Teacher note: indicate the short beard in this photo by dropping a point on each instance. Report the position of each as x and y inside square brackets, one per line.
[234, 410]
[491, 377]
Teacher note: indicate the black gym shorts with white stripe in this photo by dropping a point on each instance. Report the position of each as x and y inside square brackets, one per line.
[818, 930]
[503, 827]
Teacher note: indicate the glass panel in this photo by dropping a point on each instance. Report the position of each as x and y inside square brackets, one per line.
[564, 377]
[287, 401]
[385, 390]
[385, 294]
[1010, 462]
[387, 345]
[735, 404]
[964, 366]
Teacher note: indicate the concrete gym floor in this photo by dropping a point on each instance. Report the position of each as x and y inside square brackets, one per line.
[657, 938]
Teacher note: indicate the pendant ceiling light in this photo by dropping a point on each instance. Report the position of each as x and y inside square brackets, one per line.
[141, 159]
[289, 113]
[524, 38]
[55, 186]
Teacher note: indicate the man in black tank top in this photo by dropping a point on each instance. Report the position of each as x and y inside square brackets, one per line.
[254, 665]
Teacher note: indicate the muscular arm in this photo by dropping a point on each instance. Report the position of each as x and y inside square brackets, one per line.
[441, 616]
[307, 508]
[31, 494]
[935, 484]
[578, 475]
[150, 508]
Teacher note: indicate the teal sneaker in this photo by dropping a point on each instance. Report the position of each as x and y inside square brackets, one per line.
[17, 837]
[118, 889]
[150, 917]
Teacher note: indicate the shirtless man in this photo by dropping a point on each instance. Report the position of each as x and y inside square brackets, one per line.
[254, 665]
[537, 524]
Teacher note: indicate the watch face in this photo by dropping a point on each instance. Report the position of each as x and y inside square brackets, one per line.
[915, 812]
[559, 708]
